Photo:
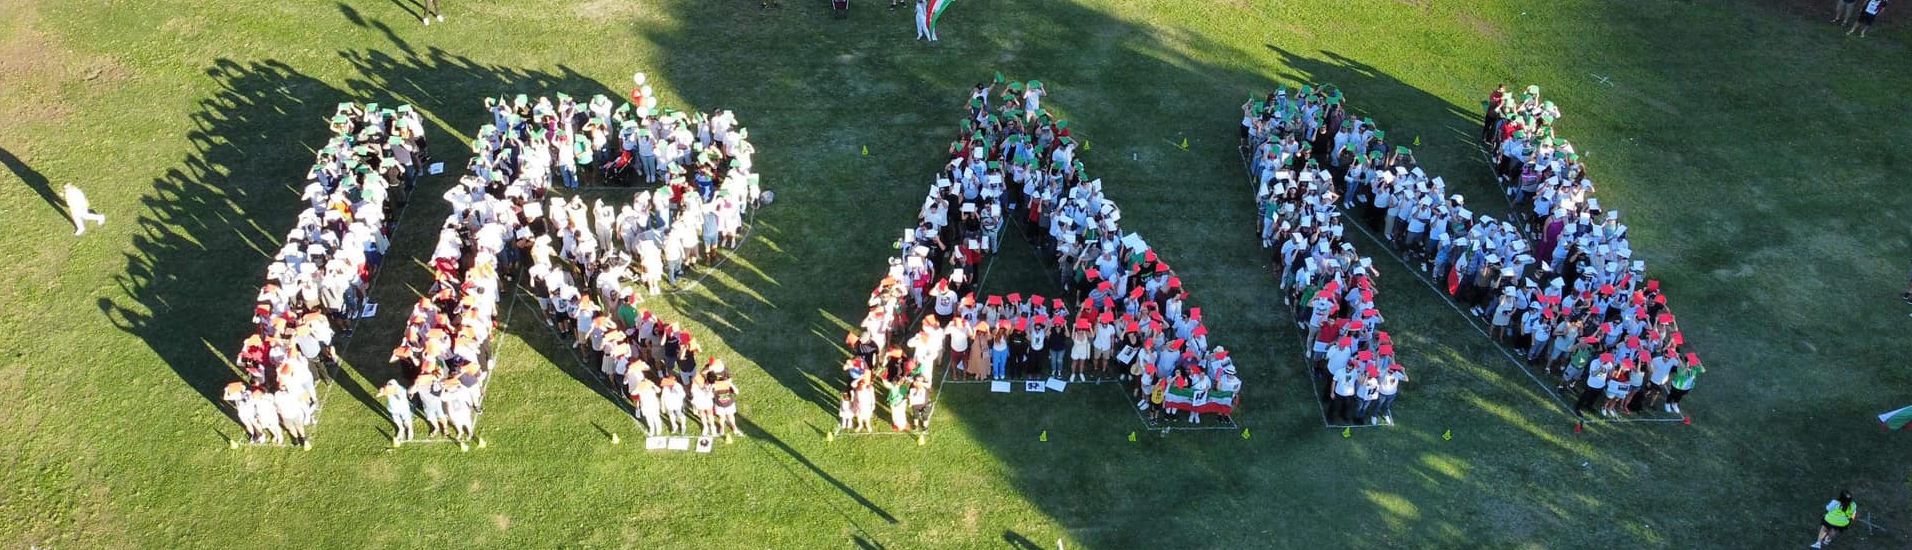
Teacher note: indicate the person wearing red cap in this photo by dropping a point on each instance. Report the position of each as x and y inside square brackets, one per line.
[1367, 391]
[1019, 365]
[980, 341]
[1341, 394]
[1103, 344]
[1579, 356]
[1620, 385]
[1389, 385]
[1082, 340]
[1131, 347]
[999, 350]
[1682, 382]
[1661, 372]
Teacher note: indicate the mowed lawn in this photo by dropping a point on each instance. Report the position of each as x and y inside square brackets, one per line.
[1752, 147]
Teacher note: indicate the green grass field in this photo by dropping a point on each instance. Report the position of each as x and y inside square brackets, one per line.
[1751, 145]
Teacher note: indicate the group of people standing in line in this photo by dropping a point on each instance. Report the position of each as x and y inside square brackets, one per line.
[588, 266]
[317, 281]
[1556, 281]
[1603, 325]
[1328, 286]
[1121, 316]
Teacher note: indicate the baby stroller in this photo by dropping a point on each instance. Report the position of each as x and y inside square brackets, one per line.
[840, 7]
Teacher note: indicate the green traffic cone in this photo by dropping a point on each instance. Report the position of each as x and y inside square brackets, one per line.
[866, 150]
[1347, 432]
[1184, 144]
[1244, 433]
[1447, 436]
[1085, 145]
[1417, 141]
[1131, 437]
[1044, 437]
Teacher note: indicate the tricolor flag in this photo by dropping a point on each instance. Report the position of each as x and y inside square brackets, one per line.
[1896, 419]
[1187, 399]
[934, 12]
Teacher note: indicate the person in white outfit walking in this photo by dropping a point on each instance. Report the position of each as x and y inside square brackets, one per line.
[81, 210]
[922, 20]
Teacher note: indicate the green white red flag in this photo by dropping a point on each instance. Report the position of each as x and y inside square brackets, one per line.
[934, 12]
[1187, 399]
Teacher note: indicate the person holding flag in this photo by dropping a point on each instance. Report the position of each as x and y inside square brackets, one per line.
[928, 12]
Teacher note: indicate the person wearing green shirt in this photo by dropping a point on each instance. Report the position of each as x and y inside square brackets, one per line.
[1577, 359]
[1683, 378]
[896, 396]
[1839, 513]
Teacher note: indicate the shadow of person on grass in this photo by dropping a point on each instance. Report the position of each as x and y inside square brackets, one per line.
[35, 180]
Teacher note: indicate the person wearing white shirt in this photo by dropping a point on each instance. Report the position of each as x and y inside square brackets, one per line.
[80, 209]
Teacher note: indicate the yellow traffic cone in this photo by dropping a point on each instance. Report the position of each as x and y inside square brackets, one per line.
[1131, 437]
[481, 443]
[830, 436]
[1347, 432]
[615, 440]
[1244, 433]
[1184, 144]
[866, 150]
[1447, 436]
[1044, 437]
[922, 439]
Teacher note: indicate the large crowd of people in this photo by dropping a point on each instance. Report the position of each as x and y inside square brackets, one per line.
[1557, 283]
[1328, 286]
[588, 265]
[1638, 345]
[1122, 315]
[317, 281]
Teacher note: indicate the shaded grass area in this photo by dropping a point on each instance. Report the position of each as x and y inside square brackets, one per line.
[1753, 153]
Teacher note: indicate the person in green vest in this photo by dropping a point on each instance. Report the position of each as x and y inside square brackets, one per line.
[1839, 513]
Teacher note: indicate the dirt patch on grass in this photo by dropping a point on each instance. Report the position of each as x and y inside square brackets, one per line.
[1483, 27]
[37, 67]
[1423, 5]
